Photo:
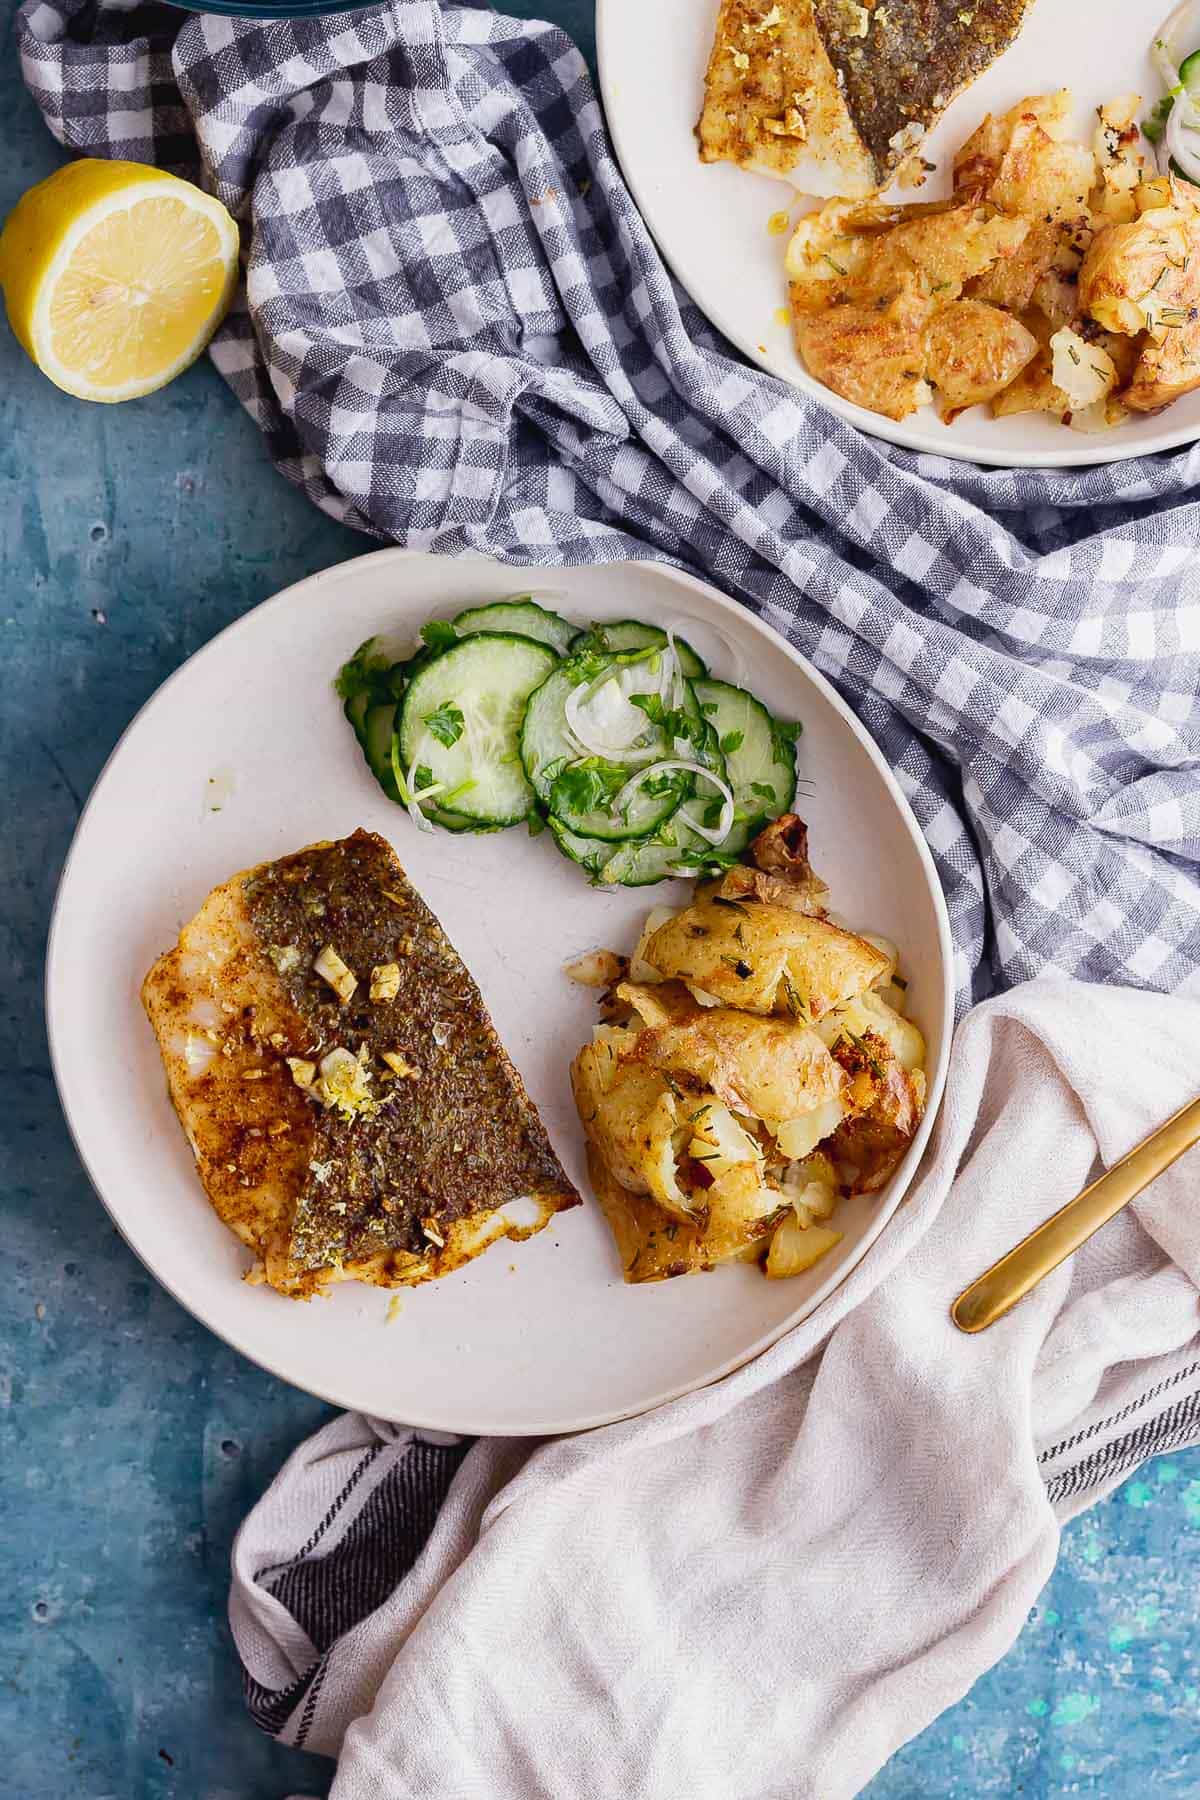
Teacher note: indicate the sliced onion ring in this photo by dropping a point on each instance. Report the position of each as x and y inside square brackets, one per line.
[410, 799]
[592, 744]
[624, 795]
[737, 663]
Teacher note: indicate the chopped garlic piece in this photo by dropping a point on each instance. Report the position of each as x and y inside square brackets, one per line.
[254, 1074]
[330, 967]
[303, 1072]
[791, 124]
[286, 957]
[907, 138]
[397, 1064]
[432, 1233]
[385, 981]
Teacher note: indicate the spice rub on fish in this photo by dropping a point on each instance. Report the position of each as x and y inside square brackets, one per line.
[835, 96]
[353, 1114]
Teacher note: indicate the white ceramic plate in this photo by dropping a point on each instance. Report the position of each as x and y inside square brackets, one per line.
[711, 220]
[533, 1338]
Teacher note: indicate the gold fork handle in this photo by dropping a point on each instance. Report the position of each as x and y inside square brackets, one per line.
[1009, 1280]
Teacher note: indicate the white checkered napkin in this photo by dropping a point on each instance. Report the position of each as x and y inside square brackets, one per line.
[457, 334]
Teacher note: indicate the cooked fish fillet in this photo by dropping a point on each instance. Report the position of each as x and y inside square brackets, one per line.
[834, 96]
[353, 1115]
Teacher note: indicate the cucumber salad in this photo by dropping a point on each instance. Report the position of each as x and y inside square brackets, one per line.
[616, 737]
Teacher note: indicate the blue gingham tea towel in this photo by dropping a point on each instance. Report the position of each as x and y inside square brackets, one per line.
[457, 333]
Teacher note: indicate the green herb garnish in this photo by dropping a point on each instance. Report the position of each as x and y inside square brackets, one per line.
[361, 675]
[585, 786]
[784, 733]
[445, 723]
[439, 634]
[1155, 123]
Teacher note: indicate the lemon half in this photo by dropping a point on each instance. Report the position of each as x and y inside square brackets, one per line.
[116, 275]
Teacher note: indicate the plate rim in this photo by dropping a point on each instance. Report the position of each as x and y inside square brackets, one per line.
[898, 1188]
[918, 438]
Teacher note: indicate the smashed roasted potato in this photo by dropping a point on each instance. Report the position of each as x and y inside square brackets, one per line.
[1059, 278]
[753, 1068]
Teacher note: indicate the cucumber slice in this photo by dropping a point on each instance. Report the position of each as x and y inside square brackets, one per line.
[452, 821]
[638, 862]
[760, 761]
[642, 864]
[481, 686]
[524, 618]
[377, 745]
[355, 710]
[579, 789]
[589, 853]
[631, 634]
[370, 685]
[583, 798]
[1189, 74]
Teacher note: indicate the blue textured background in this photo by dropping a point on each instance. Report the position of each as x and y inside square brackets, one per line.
[131, 1441]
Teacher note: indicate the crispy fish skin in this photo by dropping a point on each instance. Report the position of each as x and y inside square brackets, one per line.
[402, 1179]
[834, 96]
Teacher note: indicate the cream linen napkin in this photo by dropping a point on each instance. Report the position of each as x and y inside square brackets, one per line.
[766, 1588]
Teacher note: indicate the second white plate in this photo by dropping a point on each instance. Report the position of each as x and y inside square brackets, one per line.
[244, 755]
[711, 220]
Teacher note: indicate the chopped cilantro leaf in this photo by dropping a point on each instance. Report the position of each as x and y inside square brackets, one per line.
[733, 740]
[445, 723]
[585, 786]
[651, 705]
[655, 786]
[365, 672]
[439, 634]
[784, 733]
[1155, 124]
